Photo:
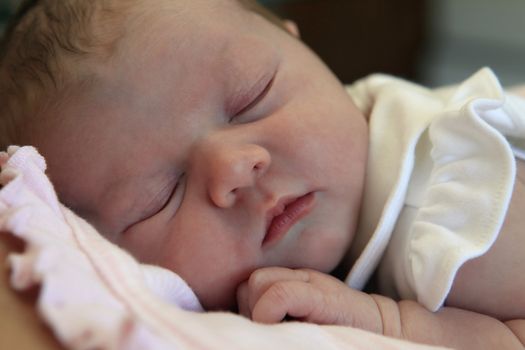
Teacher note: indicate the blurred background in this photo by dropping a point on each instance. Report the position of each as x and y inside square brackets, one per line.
[434, 42]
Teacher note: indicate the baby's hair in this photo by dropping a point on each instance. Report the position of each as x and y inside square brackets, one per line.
[43, 45]
[40, 52]
[254, 6]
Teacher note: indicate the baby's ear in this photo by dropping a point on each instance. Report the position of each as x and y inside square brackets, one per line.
[292, 28]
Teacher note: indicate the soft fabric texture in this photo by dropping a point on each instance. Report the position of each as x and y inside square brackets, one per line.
[93, 295]
[440, 176]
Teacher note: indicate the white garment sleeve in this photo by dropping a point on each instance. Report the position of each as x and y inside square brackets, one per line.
[459, 191]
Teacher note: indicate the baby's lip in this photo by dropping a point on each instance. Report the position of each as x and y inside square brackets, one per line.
[281, 217]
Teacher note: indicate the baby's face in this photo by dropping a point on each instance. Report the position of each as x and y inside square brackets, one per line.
[218, 145]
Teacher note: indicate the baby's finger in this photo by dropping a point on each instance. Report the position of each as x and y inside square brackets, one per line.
[293, 298]
[262, 279]
[242, 300]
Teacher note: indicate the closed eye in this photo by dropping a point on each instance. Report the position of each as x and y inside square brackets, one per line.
[257, 99]
[245, 101]
[162, 200]
[165, 203]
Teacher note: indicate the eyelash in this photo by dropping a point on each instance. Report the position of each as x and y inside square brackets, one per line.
[166, 202]
[169, 198]
[253, 102]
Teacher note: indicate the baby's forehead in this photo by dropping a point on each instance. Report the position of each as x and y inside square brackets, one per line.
[186, 11]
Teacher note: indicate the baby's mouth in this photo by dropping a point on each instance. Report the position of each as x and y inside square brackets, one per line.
[284, 215]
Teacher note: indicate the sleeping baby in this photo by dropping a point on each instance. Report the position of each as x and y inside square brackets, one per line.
[204, 137]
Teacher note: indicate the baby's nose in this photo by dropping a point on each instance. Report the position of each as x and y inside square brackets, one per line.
[234, 168]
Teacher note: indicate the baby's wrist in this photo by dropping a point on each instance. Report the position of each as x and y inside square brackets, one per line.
[390, 315]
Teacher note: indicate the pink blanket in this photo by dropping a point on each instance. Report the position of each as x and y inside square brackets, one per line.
[95, 295]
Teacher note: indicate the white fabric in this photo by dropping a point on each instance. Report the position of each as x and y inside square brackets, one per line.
[439, 180]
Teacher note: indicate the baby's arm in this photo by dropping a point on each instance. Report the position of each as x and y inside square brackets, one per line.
[270, 294]
[519, 90]
[493, 284]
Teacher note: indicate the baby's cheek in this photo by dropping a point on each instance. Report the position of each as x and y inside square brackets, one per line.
[215, 289]
[144, 247]
[212, 264]
[323, 249]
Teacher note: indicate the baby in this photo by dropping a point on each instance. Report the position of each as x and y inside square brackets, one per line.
[204, 137]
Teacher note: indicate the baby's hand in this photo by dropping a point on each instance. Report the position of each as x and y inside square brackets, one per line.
[271, 294]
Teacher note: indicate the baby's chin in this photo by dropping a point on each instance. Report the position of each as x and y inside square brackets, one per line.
[213, 300]
[219, 295]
